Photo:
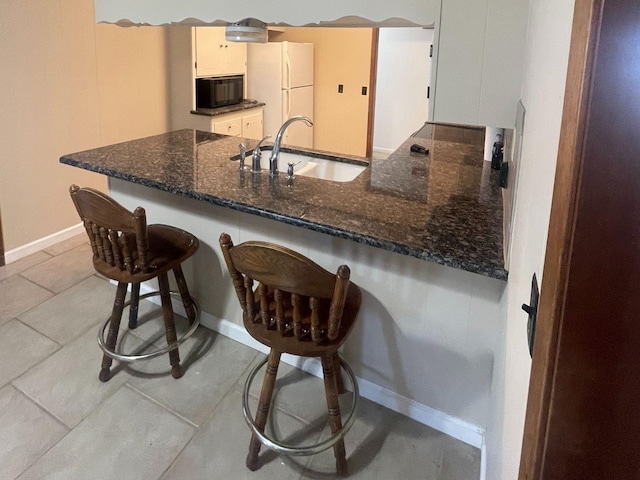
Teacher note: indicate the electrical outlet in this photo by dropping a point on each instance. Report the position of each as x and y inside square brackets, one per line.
[340, 88]
[364, 90]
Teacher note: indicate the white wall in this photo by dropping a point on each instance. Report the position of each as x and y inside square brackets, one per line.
[68, 84]
[547, 52]
[404, 72]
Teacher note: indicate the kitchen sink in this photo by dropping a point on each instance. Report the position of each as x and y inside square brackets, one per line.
[323, 168]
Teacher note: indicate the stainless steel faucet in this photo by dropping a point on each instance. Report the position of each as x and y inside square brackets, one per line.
[273, 160]
[256, 157]
[243, 154]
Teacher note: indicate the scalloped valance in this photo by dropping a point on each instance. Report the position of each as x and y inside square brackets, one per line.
[343, 13]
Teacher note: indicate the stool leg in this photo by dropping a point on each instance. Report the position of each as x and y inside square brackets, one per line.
[338, 368]
[133, 305]
[187, 301]
[169, 325]
[263, 407]
[335, 421]
[114, 326]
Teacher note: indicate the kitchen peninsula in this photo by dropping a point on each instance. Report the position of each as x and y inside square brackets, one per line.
[444, 207]
[429, 330]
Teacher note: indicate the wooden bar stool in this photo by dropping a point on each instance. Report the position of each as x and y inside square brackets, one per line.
[128, 251]
[298, 308]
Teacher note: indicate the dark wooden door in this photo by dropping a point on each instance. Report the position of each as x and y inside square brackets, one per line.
[583, 413]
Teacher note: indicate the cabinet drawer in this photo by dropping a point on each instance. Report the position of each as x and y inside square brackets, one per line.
[229, 127]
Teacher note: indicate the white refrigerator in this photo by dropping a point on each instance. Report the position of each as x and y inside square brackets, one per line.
[280, 74]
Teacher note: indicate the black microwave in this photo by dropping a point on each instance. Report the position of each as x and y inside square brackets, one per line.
[212, 92]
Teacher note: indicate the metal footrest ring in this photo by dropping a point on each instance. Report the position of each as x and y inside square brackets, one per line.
[146, 356]
[289, 449]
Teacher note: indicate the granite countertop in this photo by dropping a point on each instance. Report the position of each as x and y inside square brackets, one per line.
[445, 207]
[238, 107]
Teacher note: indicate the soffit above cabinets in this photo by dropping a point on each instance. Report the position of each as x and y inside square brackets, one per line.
[366, 13]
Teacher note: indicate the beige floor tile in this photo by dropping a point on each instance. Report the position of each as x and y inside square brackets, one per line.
[18, 266]
[66, 245]
[129, 431]
[219, 449]
[66, 384]
[127, 437]
[61, 272]
[383, 444]
[213, 364]
[26, 431]
[17, 295]
[74, 311]
[22, 348]
[460, 461]
[297, 393]
[151, 323]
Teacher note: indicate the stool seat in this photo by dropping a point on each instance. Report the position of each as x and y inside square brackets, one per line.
[129, 251]
[294, 306]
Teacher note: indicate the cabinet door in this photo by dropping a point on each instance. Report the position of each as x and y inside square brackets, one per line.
[459, 68]
[216, 56]
[235, 58]
[252, 126]
[229, 127]
[479, 61]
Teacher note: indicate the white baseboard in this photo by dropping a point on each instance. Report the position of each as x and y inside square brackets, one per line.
[483, 461]
[388, 151]
[42, 243]
[452, 426]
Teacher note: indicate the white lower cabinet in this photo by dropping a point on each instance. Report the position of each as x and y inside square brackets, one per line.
[246, 123]
[231, 127]
[252, 126]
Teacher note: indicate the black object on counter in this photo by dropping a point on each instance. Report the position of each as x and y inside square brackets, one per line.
[415, 148]
[504, 174]
[497, 153]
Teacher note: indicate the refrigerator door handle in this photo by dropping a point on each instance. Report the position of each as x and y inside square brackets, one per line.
[287, 62]
[288, 94]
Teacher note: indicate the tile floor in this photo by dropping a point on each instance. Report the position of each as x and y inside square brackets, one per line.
[57, 421]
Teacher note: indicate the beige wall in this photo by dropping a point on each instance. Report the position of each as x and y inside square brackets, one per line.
[133, 81]
[342, 56]
[182, 53]
[67, 84]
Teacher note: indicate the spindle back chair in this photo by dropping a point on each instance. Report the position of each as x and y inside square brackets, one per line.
[294, 306]
[128, 251]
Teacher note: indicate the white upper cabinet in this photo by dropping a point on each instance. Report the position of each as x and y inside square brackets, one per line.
[292, 12]
[478, 69]
[216, 56]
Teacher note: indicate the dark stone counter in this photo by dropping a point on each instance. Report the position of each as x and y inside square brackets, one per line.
[445, 207]
[214, 112]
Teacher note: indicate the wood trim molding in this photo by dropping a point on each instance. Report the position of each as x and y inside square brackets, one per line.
[584, 38]
[375, 35]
